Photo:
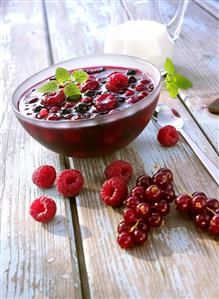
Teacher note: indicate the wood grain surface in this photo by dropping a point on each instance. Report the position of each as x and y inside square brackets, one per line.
[211, 6]
[44, 261]
[173, 252]
[37, 261]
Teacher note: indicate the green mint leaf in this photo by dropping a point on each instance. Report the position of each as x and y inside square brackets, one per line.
[62, 75]
[182, 82]
[169, 66]
[80, 76]
[72, 91]
[49, 87]
[172, 88]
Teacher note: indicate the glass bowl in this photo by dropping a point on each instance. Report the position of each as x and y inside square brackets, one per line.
[97, 136]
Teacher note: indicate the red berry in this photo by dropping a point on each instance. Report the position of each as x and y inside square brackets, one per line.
[199, 193]
[160, 179]
[138, 192]
[117, 82]
[155, 220]
[125, 240]
[212, 203]
[140, 236]
[106, 102]
[44, 176]
[130, 216]
[54, 109]
[168, 174]
[119, 168]
[214, 225]
[131, 202]
[54, 99]
[198, 204]
[153, 194]
[183, 202]
[129, 93]
[143, 226]
[144, 181]
[140, 87]
[142, 210]
[43, 113]
[169, 195]
[133, 100]
[87, 100]
[162, 207]
[168, 136]
[69, 182]
[145, 81]
[114, 191]
[202, 221]
[90, 84]
[43, 209]
[123, 227]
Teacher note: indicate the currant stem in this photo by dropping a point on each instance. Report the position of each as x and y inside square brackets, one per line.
[212, 211]
[134, 226]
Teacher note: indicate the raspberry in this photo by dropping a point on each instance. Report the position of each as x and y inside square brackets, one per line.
[117, 82]
[114, 191]
[54, 99]
[43, 209]
[119, 168]
[44, 176]
[69, 182]
[168, 136]
[90, 85]
[106, 102]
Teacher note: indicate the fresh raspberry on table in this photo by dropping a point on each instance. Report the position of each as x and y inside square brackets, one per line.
[69, 182]
[43, 209]
[114, 191]
[119, 168]
[54, 99]
[44, 176]
[117, 82]
[90, 84]
[168, 136]
[106, 102]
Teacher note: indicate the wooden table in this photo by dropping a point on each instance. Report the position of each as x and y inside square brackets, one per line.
[76, 255]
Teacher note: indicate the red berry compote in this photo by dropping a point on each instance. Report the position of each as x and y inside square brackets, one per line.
[90, 124]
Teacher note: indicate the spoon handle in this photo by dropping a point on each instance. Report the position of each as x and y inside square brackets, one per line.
[212, 169]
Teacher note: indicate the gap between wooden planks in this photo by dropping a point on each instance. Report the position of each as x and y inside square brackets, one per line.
[168, 266]
[37, 261]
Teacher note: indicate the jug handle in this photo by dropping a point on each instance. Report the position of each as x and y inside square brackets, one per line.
[174, 26]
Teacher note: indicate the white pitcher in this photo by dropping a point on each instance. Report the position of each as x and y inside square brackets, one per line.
[140, 28]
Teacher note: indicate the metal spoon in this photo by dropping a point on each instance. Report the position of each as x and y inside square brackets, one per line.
[163, 116]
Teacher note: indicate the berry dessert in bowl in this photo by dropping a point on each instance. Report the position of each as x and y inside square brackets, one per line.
[88, 106]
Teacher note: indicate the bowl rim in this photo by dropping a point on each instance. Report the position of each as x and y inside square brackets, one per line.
[96, 120]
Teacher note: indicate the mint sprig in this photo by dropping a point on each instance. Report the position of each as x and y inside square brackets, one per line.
[174, 81]
[70, 81]
[62, 75]
[49, 87]
[80, 76]
[72, 91]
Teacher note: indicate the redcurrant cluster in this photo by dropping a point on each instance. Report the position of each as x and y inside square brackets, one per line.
[148, 203]
[204, 211]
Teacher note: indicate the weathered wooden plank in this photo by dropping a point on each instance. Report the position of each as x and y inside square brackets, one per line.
[196, 56]
[173, 262]
[37, 261]
[177, 258]
[210, 6]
